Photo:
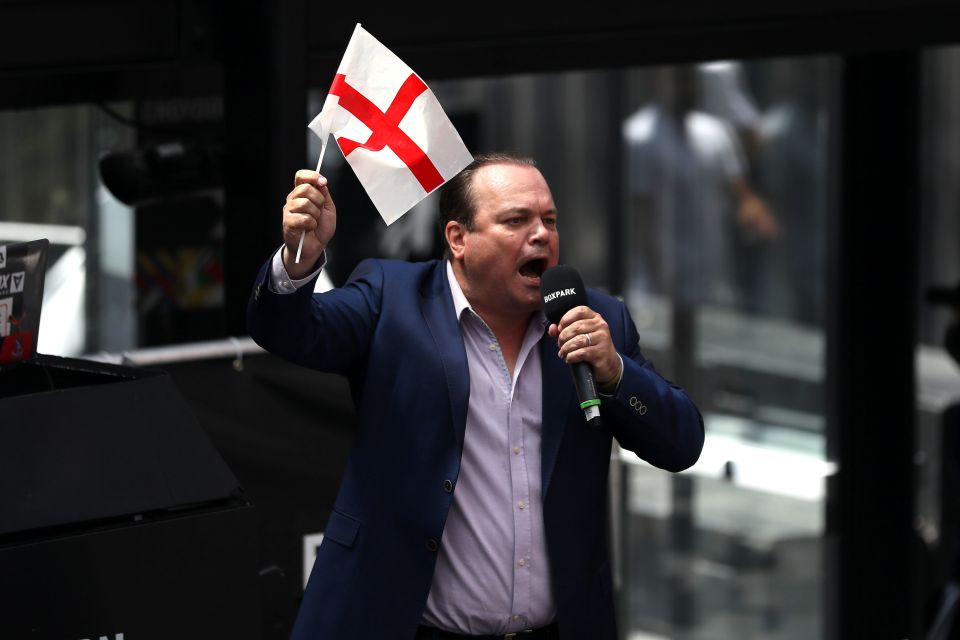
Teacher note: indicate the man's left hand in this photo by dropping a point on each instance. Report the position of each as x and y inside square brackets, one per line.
[584, 336]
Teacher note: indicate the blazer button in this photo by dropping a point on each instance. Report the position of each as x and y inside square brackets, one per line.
[432, 545]
[448, 486]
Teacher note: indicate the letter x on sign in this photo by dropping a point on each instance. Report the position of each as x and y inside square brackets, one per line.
[385, 127]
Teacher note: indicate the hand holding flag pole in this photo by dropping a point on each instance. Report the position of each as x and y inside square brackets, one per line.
[411, 148]
[323, 147]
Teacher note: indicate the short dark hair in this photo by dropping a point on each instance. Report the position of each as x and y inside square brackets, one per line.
[456, 196]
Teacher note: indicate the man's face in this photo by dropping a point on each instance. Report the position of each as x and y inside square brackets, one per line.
[514, 239]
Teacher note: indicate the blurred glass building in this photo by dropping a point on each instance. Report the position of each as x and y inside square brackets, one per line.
[706, 194]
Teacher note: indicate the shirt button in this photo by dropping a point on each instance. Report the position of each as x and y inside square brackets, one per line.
[516, 450]
[516, 617]
[432, 545]
[521, 504]
[493, 347]
[448, 486]
[521, 562]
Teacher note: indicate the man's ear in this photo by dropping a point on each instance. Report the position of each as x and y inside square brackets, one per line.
[455, 234]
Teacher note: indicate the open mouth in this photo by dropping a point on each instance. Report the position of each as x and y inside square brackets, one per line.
[533, 268]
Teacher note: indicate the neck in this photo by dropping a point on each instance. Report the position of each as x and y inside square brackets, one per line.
[509, 331]
[508, 325]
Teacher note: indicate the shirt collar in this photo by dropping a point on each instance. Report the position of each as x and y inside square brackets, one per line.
[460, 302]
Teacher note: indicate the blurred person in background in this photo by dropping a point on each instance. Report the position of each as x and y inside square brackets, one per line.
[688, 180]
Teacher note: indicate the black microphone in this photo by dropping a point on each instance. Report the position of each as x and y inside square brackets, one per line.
[562, 289]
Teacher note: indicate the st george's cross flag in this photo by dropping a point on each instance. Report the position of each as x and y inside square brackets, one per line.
[389, 126]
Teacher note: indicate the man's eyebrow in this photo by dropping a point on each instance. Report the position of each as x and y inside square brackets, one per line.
[524, 211]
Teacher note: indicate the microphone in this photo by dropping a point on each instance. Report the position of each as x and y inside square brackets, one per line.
[562, 289]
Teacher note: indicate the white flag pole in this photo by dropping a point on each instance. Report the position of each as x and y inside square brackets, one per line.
[300, 246]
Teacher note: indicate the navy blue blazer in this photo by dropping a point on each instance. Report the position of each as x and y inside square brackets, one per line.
[392, 331]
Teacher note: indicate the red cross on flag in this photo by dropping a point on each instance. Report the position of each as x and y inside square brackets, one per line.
[389, 126]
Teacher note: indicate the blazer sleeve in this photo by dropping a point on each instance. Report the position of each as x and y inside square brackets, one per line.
[650, 415]
[328, 331]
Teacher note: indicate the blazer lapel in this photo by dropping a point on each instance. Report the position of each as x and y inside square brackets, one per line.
[557, 389]
[440, 317]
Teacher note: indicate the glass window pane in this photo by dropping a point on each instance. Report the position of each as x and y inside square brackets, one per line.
[727, 193]
[700, 195]
[50, 188]
[136, 245]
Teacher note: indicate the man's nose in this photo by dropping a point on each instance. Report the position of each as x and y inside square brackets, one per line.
[539, 232]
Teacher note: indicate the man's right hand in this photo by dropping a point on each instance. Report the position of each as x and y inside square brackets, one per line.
[309, 208]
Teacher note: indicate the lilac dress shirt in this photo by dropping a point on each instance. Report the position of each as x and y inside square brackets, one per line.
[492, 574]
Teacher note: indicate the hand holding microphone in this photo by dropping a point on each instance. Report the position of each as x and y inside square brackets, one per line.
[583, 336]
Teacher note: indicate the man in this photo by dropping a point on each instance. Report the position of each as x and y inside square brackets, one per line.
[474, 502]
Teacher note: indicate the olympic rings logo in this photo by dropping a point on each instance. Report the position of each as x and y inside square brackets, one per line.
[638, 406]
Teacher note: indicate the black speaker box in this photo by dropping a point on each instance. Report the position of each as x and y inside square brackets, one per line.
[118, 517]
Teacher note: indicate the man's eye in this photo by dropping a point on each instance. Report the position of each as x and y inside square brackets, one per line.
[550, 222]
